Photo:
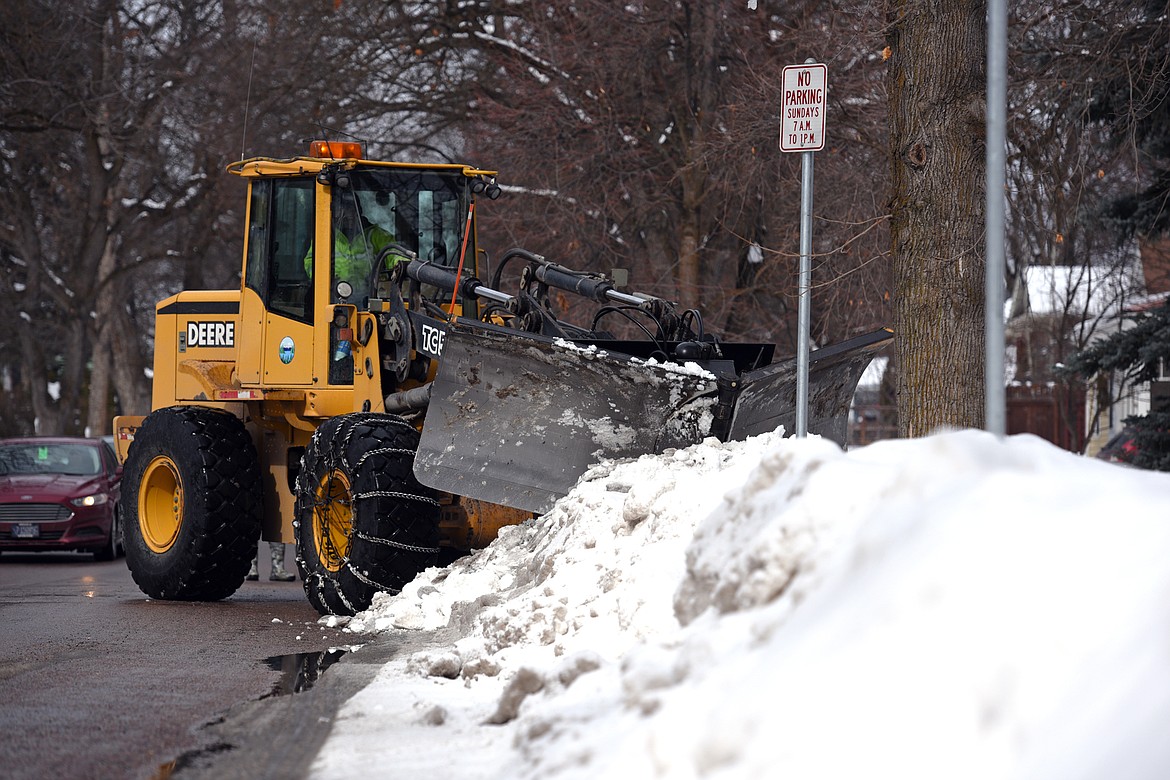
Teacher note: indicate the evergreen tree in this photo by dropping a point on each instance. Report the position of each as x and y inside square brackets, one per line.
[1132, 95]
[1137, 352]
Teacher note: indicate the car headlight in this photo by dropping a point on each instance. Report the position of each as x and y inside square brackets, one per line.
[97, 499]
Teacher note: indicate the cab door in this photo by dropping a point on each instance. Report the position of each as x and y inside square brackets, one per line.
[276, 310]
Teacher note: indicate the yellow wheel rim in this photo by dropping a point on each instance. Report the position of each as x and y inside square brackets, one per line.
[160, 504]
[332, 520]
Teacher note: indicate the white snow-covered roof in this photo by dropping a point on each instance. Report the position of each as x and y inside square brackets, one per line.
[1081, 291]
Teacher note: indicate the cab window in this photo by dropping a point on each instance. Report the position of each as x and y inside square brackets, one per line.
[280, 237]
[424, 211]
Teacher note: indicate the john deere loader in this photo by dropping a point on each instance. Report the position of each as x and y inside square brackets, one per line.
[365, 395]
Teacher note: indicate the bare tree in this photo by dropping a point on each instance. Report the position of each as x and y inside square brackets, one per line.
[639, 135]
[644, 136]
[67, 134]
[118, 117]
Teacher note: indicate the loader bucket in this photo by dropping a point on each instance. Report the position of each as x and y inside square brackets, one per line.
[516, 419]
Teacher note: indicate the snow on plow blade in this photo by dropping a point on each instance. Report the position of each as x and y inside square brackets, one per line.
[516, 419]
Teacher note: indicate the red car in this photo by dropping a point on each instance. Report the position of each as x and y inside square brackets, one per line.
[1121, 447]
[60, 493]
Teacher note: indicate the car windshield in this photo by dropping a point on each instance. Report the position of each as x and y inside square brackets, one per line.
[49, 458]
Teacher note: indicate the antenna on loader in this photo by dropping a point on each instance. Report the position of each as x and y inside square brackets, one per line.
[247, 100]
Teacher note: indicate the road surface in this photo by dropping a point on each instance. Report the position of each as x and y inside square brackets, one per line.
[97, 681]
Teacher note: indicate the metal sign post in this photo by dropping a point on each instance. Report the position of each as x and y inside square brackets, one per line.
[802, 129]
[995, 414]
[804, 308]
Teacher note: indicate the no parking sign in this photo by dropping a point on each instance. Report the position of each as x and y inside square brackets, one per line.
[802, 107]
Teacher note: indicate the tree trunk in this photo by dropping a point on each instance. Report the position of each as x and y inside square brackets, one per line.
[98, 420]
[129, 363]
[698, 30]
[937, 95]
[688, 247]
[35, 380]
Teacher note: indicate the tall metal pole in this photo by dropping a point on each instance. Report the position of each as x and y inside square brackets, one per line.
[994, 414]
[804, 285]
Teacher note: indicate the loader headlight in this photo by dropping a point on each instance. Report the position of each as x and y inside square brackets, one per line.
[96, 499]
[334, 176]
[487, 187]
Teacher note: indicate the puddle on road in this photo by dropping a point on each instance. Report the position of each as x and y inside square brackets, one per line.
[300, 671]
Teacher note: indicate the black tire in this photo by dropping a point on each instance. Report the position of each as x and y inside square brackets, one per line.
[109, 550]
[364, 524]
[191, 504]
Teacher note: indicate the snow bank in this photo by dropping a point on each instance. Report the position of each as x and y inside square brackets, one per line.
[955, 606]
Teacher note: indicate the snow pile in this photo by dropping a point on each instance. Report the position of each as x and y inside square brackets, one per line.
[955, 606]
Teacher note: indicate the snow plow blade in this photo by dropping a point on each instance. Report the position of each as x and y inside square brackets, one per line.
[517, 419]
[767, 397]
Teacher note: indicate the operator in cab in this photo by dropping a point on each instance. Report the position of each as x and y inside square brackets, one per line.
[357, 242]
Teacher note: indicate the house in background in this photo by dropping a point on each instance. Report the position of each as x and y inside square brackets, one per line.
[1054, 311]
[1067, 309]
[1112, 399]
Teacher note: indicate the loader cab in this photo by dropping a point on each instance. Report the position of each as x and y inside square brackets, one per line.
[322, 232]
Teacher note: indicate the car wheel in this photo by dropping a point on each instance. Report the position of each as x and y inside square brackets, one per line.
[109, 550]
[191, 504]
[364, 524]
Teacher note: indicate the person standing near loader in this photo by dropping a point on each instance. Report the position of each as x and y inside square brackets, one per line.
[278, 573]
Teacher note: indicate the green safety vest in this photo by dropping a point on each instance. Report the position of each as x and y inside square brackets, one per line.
[352, 258]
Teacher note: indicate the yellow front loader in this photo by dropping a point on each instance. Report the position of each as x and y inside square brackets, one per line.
[366, 396]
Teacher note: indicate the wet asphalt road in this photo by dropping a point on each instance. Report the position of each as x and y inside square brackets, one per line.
[97, 681]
